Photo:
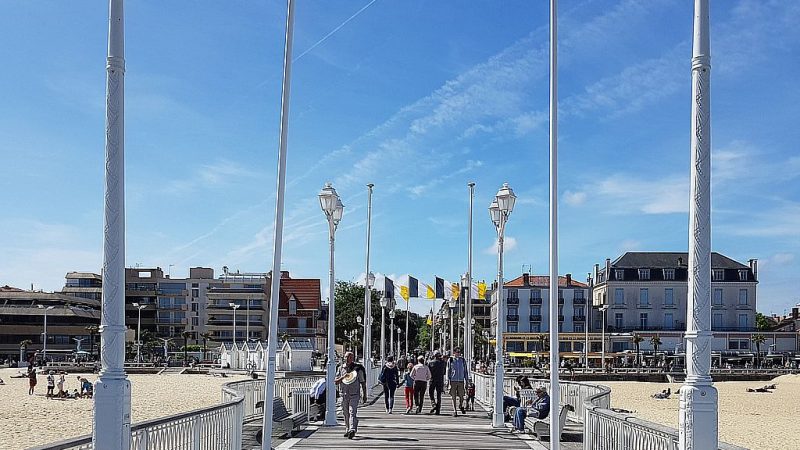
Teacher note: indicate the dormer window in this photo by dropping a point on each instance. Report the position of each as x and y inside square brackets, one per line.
[619, 274]
[292, 306]
[669, 274]
[717, 274]
[644, 274]
[743, 274]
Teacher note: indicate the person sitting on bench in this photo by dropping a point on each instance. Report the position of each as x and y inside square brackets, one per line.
[538, 408]
[317, 397]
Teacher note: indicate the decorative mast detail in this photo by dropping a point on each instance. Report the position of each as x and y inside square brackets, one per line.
[698, 396]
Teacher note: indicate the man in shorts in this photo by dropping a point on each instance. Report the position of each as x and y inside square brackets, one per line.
[457, 377]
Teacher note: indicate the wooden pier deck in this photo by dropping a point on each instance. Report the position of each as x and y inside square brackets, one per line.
[377, 429]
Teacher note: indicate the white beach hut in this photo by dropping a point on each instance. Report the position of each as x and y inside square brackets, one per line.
[295, 355]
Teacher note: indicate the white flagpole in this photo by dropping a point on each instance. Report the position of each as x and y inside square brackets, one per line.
[272, 341]
[554, 388]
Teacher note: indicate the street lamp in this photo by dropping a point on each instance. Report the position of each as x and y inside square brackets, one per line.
[399, 332]
[235, 307]
[445, 314]
[44, 345]
[603, 310]
[384, 302]
[368, 281]
[360, 320]
[333, 208]
[391, 334]
[499, 211]
[452, 304]
[139, 332]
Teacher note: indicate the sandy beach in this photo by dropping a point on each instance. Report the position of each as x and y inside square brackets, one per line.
[26, 420]
[757, 421]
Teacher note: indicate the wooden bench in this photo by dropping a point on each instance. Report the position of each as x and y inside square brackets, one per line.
[541, 427]
[283, 422]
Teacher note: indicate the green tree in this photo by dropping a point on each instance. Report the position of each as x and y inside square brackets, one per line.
[758, 339]
[656, 341]
[638, 339]
[763, 323]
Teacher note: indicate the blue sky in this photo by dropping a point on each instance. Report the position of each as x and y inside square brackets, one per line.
[416, 97]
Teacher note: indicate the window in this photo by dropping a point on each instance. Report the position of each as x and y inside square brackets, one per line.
[669, 298]
[292, 306]
[579, 329]
[195, 285]
[669, 274]
[512, 327]
[513, 293]
[195, 293]
[560, 327]
[564, 346]
[536, 327]
[195, 321]
[536, 293]
[742, 296]
[743, 274]
[618, 320]
[669, 321]
[716, 321]
[536, 311]
[578, 295]
[643, 320]
[738, 344]
[194, 307]
[743, 321]
[717, 274]
[644, 274]
[619, 296]
[718, 296]
[644, 297]
[579, 311]
[619, 274]
[560, 310]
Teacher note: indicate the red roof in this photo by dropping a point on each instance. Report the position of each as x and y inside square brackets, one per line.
[543, 281]
[306, 291]
[8, 288]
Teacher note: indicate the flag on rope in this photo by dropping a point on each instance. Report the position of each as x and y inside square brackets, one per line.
[455, 290]
[388, 288]
[409, 287]
[439, 286]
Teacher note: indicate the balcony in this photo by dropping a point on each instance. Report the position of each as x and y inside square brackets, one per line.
[738, 329]
[579, 318]
[172, 306]
[512, 300]
[512, 317]
[294, 332]
[536, 300]
[171, 321]
[578, 301]
[536, 317]
[163, 293]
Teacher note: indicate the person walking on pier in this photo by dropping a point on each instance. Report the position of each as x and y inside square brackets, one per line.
[408, 390]
[457, 377]
[421, 375]
[437, 368]
[390, 378]
[350, 377]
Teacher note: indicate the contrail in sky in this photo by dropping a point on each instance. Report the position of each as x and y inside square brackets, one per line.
[324, 38]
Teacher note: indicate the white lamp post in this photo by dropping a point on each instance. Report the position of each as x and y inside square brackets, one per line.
[603, 310]
[139, 309]
[333, 208]
[699, 422]
[391, 334]
[44, 344]
[399, 332]
[452, 305]
[355, 351]
[384, 302]
[369, 279]
[235, 307]
[469, 346]
[499, 211]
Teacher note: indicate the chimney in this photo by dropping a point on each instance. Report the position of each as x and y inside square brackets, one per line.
[569, 279]
[754, 268]
[608, 266]
[526, 279]
[596, 271]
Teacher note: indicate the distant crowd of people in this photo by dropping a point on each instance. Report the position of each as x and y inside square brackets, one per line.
[58, 380]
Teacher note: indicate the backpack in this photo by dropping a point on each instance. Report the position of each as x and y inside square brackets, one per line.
[382, 376]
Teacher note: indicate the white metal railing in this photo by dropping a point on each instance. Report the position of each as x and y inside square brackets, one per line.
[603, 429]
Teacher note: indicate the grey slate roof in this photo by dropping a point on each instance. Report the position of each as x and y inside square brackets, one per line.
[666, 260]
[299, 344]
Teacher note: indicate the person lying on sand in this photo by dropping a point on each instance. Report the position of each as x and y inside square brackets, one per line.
[761, 389]
[663, 394]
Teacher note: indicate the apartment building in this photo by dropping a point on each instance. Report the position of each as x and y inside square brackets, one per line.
[647, 291]
[71, 321]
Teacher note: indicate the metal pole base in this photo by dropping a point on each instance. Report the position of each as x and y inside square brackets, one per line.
[112, 398]
[698, 411]
[330, 396]
[498, 415]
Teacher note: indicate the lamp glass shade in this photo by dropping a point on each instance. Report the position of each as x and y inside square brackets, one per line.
[358, 319]
[370, 280]
[384, 302]
[494, 212]
[328, 199]
[506, 199]
[338, 211]
[451, 303]
[391, 314]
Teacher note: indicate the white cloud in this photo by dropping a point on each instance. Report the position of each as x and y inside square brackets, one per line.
[625, 194]
[221, 172]
[629, 245]
[509, 244]
[575, 198]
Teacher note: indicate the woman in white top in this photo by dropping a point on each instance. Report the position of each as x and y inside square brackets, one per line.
[421, 375]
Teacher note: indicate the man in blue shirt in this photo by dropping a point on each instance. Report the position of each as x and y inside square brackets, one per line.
[539, 409]
[457, 376]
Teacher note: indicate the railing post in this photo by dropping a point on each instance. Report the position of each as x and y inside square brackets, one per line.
[196, 435]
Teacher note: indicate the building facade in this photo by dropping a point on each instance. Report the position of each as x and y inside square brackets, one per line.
[647, 291]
